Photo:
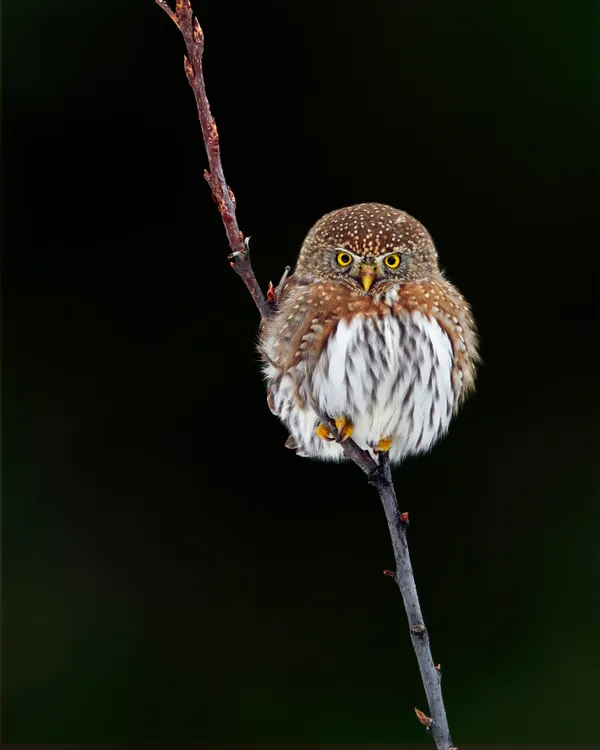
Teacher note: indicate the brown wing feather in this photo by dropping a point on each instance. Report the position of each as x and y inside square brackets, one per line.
[307, 316]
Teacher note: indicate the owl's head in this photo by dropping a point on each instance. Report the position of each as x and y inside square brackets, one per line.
[366, 244]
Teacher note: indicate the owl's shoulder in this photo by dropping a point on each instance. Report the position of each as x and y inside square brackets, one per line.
[307, 312]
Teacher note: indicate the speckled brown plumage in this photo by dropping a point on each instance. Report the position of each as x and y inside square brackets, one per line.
[399, 357]
[369, 230]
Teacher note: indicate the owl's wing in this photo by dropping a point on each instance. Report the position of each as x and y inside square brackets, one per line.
[307, 314]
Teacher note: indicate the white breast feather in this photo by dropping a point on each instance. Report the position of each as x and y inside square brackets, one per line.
[391, 376]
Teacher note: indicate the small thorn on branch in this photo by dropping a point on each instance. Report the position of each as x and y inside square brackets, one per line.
[214, 134]
[198, 33]
[418, 630]
[281, 283]
[438, 668]
[389, 573]
[404, 518]
[425, 720]
[189, 70]
[271, 293]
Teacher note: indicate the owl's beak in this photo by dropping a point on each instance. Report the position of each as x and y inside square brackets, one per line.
[367, 276]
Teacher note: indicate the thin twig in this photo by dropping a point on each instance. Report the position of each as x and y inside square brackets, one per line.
[380, 475]
[378, 472]
[193, 36]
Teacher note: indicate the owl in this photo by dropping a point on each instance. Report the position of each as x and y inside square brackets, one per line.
[367, 333]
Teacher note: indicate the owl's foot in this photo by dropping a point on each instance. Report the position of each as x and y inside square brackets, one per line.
[383, 445]
[344, 426]
[323, 432]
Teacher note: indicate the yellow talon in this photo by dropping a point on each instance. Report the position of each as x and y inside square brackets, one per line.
[345, 427]
[384, 445]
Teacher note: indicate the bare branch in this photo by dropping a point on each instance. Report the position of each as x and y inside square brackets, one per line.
[193, 37]
[380, 475]
[378, 472]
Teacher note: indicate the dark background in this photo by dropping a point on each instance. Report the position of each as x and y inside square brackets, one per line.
[171, 572]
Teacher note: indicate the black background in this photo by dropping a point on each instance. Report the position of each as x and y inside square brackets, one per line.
[171, 572]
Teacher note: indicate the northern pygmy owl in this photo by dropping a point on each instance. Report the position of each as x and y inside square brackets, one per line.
[367, 332]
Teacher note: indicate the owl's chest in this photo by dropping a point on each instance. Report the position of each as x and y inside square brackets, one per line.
[390, 374]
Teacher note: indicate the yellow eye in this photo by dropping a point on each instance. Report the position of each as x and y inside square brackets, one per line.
[344, 259]
[392, 261]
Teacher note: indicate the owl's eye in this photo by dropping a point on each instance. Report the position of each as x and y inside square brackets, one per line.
[392, 261]
[344, 259]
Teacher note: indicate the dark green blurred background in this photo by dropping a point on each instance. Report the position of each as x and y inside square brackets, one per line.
[171, 572]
